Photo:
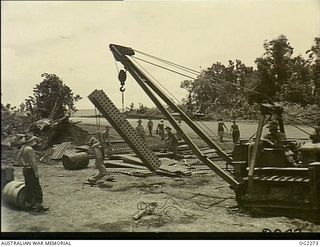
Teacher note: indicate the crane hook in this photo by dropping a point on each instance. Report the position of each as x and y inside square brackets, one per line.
[122, 89]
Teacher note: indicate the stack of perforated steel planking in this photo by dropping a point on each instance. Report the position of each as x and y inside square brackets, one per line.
[124, 128]
[60, 150]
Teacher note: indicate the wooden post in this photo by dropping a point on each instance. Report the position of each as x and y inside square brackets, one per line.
[314, 171]
[254, 154]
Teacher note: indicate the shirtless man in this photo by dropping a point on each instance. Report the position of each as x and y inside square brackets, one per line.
[27, 158]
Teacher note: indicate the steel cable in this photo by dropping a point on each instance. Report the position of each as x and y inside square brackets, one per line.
[216, 86]
[141, 67]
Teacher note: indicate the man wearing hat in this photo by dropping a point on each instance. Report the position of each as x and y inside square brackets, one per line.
[235, 132]
[171, 142]
[274, 138]
[150, 126]
[27, 158]
[160, 129]
[221, 127]
[140, 130]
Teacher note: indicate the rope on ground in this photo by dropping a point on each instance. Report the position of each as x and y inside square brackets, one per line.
[150, 207]
[203, 204]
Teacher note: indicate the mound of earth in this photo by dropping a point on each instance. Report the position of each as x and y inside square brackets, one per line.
[67, 132]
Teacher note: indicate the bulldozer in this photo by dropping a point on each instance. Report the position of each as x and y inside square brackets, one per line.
[277, 180]
[270, 180]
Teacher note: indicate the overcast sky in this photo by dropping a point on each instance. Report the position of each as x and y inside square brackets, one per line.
[70, 39]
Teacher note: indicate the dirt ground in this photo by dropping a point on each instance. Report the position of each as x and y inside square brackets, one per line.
[199, 203]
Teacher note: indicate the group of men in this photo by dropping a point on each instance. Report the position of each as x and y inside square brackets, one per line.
[171, 140]
[235, 132]
[101, 145]
[159, 131]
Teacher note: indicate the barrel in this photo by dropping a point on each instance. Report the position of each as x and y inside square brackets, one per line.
[75, 161]
[14, 193]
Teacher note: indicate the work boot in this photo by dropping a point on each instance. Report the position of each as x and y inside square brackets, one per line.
[98, 176]
[40, 208]
[110, 179]
[92, 180]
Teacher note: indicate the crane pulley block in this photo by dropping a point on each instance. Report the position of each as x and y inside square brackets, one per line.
[122, 78]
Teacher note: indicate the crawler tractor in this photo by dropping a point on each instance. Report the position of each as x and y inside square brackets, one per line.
[262, 178]
[278, 180]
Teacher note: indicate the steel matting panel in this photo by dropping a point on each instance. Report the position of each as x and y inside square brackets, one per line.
[124, 128]
[201, 172]
[156, 145]
[122, 164]
[129, 158]
[69, 152]
[60, 150]
[119, 170]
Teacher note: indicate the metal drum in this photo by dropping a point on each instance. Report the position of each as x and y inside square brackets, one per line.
[14, 193]
[75, 161]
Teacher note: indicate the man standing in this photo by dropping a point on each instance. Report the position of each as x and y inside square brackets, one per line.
[106, 141]
[160, 129]
[150, 126]
[235, 132]
[27, 158]
[221, 127]
[140, 130]
[274, 138]
[171, 142]
[97, 147]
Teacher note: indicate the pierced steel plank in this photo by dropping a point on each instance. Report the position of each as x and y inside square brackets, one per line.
[201, 172]
[60, 150]
[121, 164]
[124, 128]
[119, 170]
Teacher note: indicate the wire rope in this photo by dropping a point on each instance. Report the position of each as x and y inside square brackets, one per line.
[169, 62]
[160, 84]
[143, 69]
[214, 77]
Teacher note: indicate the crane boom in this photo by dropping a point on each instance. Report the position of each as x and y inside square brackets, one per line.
[121, 54]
